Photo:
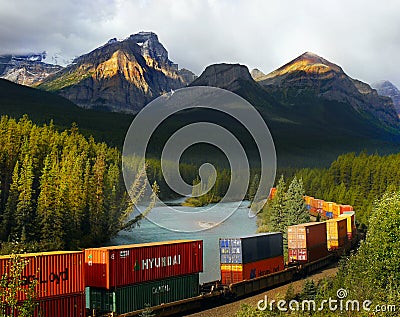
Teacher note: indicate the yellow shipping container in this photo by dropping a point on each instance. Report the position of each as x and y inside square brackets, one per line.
[330, 206]
[336, 232]
[335, 210]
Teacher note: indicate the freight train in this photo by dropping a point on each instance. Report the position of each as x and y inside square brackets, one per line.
[164, 276]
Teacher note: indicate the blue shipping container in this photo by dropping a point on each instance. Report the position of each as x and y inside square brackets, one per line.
[252, 248]
[308, 207]
[329, 214]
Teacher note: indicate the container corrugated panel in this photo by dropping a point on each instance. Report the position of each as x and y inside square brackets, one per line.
[60, 306]
[134, 297]
[336, 230]
[307, 235]
[335, 210]
[307, 255]
[350, 225]
[56, 273]
[117, 266]
[233, 273]
[251, 248]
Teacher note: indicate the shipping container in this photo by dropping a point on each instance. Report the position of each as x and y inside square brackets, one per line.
[351, 230]
[60, 306]
[307, 242]
[272, 193]
[308, 207]
[336, 230]
[122, 265]
[308, 200]
[57, 273]
[329, 215]
[251, 248]
[327, 206]
[137, 296]
[345, 208]
[306, 235]
[307, 255]
[335, 210]
[233, 273]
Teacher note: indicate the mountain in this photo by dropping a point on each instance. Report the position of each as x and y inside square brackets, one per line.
[308, 128]
[257, 74]
[121, 76]
[312, 74]
[26, 69]
[42, 107]
[386, 88]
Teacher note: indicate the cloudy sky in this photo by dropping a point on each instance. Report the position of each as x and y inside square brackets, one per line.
[362, 36]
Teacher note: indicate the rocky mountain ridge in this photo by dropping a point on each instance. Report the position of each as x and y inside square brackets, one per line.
[120, 76]
[27, 69]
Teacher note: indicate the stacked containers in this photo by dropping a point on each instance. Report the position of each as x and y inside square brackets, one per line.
[60, 281]
[308, 200]
[336, 230]
[249, 257]
[307, 242]
[122, 272]
[351, 225]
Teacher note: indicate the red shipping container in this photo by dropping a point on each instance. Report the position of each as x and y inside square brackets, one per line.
[57, 273]
[65, 306]
[307, 255]
[233, 273]
[344, 208]
[117, 266]
[61, 306]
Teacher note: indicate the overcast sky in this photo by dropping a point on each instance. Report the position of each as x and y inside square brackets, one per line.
[362, 36]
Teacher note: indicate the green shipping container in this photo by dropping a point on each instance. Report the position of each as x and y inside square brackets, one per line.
[137, 296]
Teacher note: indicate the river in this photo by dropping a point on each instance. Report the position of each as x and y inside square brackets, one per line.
[236, 225]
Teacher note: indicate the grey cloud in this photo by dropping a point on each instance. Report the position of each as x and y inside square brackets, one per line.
[361, 36]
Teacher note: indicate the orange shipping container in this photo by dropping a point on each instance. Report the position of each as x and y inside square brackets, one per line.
[57, 273]
[336, 230]
[335, 210]
[308, 200]
[272, 193]
[233, 273]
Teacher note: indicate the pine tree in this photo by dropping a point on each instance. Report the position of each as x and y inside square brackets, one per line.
[253, 187]
[276, 207]
[8, 222]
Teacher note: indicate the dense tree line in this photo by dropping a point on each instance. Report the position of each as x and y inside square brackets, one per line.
[285, 209]
[372, 274]
[58, 189]
[357, 180]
